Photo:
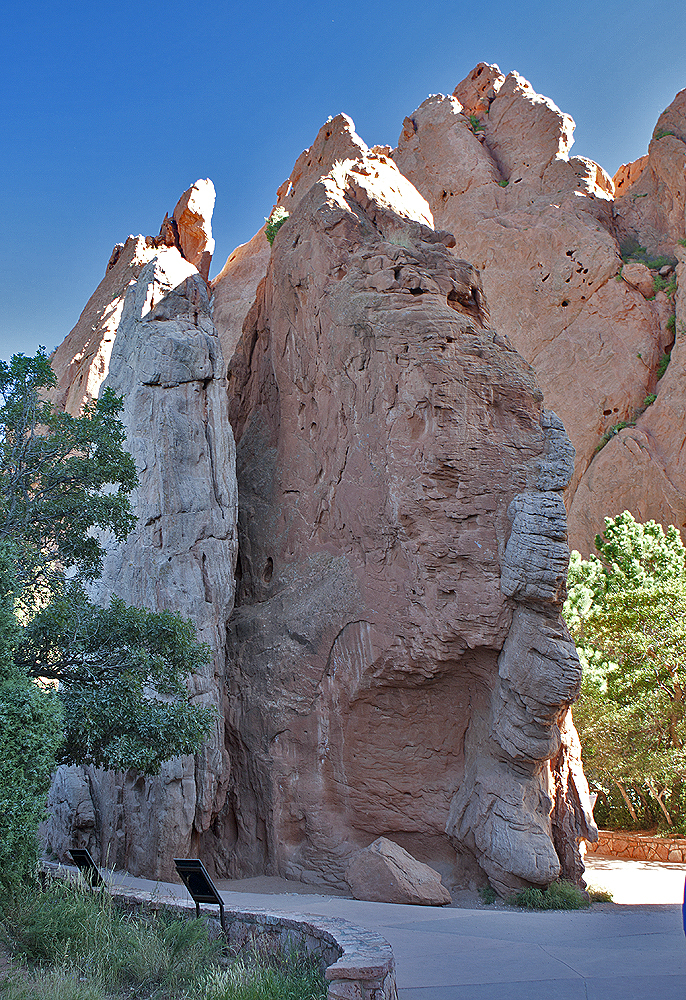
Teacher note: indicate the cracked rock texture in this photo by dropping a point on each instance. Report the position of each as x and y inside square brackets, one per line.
[397, 664]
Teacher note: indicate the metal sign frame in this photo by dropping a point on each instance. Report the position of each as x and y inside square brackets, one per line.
[200, 886]
[88, 868]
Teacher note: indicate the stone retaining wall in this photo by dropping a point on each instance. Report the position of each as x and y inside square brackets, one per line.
[358, 964]
[638, 846]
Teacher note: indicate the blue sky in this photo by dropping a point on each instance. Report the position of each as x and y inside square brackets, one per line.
[111, 111]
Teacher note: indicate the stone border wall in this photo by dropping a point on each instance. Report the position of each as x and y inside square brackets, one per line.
[358, 964]
[638, 847]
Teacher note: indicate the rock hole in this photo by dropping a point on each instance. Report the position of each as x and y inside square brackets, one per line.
[416, 291]
[268, 570]
[565, 302]
[545, 278]
[606, 413]
[570, 253]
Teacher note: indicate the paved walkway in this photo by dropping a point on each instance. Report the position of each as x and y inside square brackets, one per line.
[615, 951]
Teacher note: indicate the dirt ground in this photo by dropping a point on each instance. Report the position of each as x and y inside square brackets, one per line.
[637, 883]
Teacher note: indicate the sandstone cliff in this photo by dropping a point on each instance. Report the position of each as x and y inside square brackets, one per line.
[544, 230]
[547, 231]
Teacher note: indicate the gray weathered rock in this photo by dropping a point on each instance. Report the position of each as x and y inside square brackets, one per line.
[167, 362]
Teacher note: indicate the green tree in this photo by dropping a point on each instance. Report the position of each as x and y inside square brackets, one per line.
[121, 698]
[626, 611]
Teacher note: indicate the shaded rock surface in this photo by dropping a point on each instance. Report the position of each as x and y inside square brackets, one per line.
[385, 873]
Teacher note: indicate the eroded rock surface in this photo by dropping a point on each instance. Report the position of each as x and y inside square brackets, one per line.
[544, 230]
[393, 457]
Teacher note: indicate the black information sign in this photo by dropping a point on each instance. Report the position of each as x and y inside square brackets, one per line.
[88, 868]
[195, 877]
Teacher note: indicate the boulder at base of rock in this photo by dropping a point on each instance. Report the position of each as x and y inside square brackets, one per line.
[386, 873]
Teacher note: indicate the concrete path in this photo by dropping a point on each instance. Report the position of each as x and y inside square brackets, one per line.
[615, 951]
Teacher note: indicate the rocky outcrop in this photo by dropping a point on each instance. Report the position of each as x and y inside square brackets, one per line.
[168, 365]
[651, 192]
[385, 873]
[396, 654]
[190, 227]
[235, 287]
[494, 163]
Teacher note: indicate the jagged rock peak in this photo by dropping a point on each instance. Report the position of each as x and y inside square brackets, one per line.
[189, 228]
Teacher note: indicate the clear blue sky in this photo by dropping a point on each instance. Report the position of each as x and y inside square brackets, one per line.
[112, 110]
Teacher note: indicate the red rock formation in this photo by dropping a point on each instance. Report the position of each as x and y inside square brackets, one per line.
[81, 362]
[398, 662]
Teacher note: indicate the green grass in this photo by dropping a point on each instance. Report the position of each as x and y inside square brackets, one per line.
[476, 125]
[70, 943]
[558, 896]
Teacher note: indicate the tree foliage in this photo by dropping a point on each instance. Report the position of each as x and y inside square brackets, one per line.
[119, 695]
[627, 613]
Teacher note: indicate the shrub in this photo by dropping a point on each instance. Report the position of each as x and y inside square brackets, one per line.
[662, 365]
[274, 223]
[631, 249]
[599, 895]
[476, 125]
[558, 896]
[615, 429]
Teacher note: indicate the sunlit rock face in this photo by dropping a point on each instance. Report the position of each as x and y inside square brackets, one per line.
[396, 662]
[544, 230]
[81, 362]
